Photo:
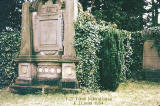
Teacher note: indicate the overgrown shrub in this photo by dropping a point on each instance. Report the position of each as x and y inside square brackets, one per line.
[115, 58]
[9, 49]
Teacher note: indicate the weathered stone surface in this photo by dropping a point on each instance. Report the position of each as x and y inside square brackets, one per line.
[26, 72]
[75, 10]
[69, 31]
[69, 71]
[69, 79]
[26, 46]
[151, 59]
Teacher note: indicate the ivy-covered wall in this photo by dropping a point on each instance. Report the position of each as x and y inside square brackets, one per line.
[104, 53]
[87, 45]
[9, 49]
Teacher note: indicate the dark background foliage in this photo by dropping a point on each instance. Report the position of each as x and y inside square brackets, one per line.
[126, 14]
[10, 18]
[137, 43]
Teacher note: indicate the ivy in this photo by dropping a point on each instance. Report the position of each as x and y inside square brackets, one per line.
[137, 43]
[104, 52]
[87, 44]
[9, 50]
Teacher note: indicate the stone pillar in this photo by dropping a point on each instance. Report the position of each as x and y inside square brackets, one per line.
[26, 69]
[69, 79]
[68, 71]
[69, 30]
[26, 45]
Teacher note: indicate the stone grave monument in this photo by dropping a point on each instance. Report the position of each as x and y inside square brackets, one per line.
[47, 55]
[151, 61]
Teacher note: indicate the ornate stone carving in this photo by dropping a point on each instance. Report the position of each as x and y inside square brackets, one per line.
[49, 71]
[49, 8]
[36, 3]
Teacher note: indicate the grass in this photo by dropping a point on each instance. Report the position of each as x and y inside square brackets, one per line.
[128, 94]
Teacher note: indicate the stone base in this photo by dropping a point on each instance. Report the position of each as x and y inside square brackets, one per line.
[43, 88]
[69, 84]
[152, 75]
[53, 82]
[23, 82]
[47, 73]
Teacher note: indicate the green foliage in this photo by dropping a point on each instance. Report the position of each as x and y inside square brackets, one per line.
[9, 49]
[137, 43]
[127, 14]
[103, 51]
[153, 9]
[87, 44]
[115, 57]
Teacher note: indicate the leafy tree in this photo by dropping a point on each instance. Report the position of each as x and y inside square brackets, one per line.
[152, 12]
[127, 14]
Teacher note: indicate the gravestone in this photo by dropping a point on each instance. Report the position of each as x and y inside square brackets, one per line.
[47, 53]
[151, 61]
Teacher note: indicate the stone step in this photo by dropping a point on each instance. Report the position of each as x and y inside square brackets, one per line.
[43, 88]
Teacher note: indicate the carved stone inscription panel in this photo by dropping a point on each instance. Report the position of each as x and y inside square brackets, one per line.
[48, 29]
[48, 32]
